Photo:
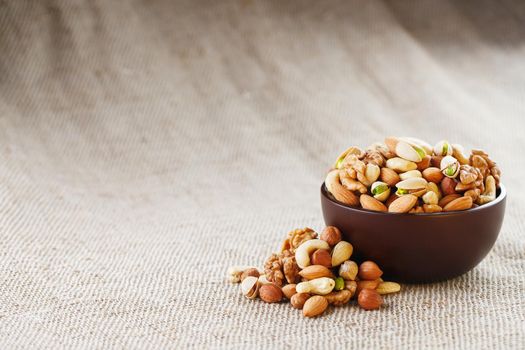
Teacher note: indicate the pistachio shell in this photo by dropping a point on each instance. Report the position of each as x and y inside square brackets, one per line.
[410, 174]
[443, 148]
[391, 142]
[450, 166]
[422, 144]
[409, 152]
[380, 190]
[412, 183]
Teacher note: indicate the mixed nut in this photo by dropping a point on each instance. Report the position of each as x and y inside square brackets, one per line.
[407, 175]
[313, 272]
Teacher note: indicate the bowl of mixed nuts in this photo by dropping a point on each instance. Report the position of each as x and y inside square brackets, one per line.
[423, 213]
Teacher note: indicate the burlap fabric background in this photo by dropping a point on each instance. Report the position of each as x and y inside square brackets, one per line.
[147, 146]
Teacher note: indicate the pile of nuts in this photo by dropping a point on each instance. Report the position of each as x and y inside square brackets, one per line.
[313, 273]
[407, 175]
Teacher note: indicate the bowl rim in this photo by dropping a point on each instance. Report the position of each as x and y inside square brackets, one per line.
[500, 197]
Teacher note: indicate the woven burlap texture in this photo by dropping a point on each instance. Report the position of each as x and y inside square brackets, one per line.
[147, 146]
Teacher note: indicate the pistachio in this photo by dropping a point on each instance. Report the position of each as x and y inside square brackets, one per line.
[320, 286]
[409, 151]
[450, 167]
[410, 174]
[418, 142]
[416, 186]
[380, 190]
[339, 283]
[443, 148]
[400, 164]
[341, 252]
[250, 287]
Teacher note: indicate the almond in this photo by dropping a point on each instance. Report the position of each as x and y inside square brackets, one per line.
[389, 176]
[432, 208]
[433, 174]
[448, 186]
[370, 203]
[369, 299]
[270, 293]
[315, 306]
[403, 204]
[289, 290]
[322, 257]
[390, 199]
[461, 203]
[369, 270]
[315, 271]
[424, 164]
[448, 198]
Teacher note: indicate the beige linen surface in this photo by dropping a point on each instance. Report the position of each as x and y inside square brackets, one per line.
[146, 146]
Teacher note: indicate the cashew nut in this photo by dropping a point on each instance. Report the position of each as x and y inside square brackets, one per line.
[302, 254]
[321, 286]
[490, 191]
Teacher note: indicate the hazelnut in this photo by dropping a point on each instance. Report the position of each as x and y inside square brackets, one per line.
[289, 291]
[331, 235]
[299, 299]
[435, 161]
[322, 257]
[362, 285]
[448, 186]
[369, 271]
[250, 272]
[270, 293]
[369, 299]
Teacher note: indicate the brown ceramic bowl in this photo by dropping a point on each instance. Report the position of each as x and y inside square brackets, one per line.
[416, 248]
